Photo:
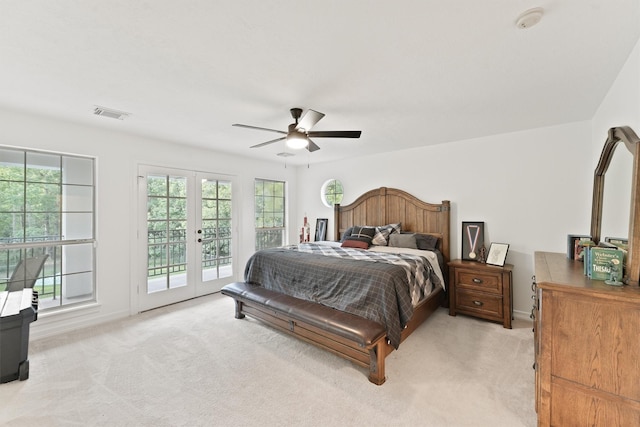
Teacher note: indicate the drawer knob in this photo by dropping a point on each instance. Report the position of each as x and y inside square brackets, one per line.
[476, 280]
[478, 303]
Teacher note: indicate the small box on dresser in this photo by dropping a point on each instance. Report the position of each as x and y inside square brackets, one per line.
[481, 290]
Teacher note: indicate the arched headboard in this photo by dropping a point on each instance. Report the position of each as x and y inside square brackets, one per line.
[390, 206]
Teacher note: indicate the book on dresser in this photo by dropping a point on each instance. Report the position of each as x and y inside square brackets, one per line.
[573, 250]
[602, 261]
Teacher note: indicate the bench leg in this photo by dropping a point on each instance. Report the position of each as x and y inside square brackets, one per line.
[239, 314]
[376, 363]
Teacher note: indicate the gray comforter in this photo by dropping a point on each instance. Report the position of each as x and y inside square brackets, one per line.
[376, 289]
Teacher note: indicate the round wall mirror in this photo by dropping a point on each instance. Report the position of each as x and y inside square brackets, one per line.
[331, 193]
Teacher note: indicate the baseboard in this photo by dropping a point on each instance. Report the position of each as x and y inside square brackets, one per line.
[56, 323]
[521, 315]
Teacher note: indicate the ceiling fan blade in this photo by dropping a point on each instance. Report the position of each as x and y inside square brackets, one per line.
[311, 146]
[259, 128]
[336, 134]
[268, 142]
[309, 120]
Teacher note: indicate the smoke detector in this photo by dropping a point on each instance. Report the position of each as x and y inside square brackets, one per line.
[529, 18]
[110, 112]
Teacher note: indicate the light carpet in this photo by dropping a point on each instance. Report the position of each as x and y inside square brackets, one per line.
[194, 364]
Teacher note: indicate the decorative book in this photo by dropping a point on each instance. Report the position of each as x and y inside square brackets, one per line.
[572, 245]
[605, 263]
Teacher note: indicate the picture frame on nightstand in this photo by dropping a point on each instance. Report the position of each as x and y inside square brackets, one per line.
[497, 254]
[472, 240]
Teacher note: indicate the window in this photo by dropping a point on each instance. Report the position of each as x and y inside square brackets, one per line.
[331, 193]
[47, 209]
[270, 216]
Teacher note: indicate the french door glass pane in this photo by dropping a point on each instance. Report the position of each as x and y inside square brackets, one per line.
[216, 229]
[166, 232]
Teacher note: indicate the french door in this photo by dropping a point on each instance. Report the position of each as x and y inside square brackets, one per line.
[185, 235]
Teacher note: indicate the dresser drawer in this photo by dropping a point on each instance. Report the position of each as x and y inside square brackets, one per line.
[479, 303]
[481, 281]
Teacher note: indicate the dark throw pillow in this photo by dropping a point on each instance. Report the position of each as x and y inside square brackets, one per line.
[346, 234]
[355, 244]
[362, 234]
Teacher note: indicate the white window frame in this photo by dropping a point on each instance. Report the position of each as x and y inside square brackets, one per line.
[263, 232]
[69, 270]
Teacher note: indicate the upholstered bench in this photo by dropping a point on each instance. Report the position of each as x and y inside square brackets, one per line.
[353, 337]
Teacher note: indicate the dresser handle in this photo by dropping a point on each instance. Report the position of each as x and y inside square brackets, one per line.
[478, 303]
[476, 280]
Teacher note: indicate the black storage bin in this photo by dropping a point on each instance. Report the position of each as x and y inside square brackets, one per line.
[17, 311]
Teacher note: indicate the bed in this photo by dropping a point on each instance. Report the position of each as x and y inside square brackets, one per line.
[353, 333]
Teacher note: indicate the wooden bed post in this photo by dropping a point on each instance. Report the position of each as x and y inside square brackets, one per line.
[336, 222]
[377, 354]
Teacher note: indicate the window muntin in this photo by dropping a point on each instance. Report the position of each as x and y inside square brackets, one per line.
[331, 193]
[270, 213]
[48, 207]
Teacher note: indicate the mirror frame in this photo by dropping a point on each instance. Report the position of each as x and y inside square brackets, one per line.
[631, 141]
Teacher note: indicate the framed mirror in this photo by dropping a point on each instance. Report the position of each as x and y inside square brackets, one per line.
[630, 141]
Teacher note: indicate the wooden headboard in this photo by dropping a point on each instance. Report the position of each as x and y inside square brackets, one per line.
[390, 206]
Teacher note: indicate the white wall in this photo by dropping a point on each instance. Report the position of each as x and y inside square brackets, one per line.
[620, 107]
[530, 188]
[118, 156]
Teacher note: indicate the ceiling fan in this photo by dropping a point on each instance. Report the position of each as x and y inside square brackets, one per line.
[299, 132]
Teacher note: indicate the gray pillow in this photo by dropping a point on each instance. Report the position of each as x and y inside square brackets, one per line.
[426, 242]
[403, 241]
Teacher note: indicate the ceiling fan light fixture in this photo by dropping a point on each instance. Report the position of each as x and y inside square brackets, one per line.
[297, 141]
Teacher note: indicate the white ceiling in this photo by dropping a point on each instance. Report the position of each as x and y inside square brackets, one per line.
[407, 73]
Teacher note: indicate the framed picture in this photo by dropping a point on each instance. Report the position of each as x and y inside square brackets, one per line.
[497, 254]
[472, 240]
[321, 229]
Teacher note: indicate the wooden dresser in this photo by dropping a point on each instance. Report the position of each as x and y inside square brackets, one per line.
[481, 290]
[587, 347]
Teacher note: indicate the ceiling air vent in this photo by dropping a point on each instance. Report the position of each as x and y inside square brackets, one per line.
[110, 112]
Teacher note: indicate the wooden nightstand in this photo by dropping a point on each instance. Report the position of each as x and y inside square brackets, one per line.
[481, 290]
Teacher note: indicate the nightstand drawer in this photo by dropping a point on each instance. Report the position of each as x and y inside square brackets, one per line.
[481, 290]
[486, 282]
[479, 302]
